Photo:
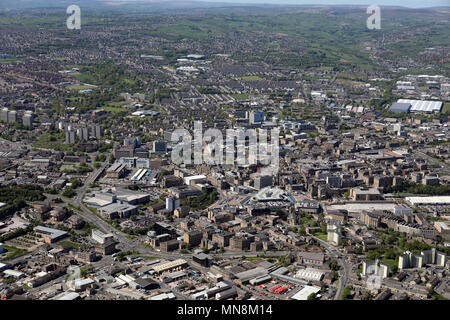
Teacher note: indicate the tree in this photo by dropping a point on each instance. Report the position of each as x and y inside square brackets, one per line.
[302, 231]
[312, 296]
[334, 265]
[367, 296]
[69, 193]
[346, 293]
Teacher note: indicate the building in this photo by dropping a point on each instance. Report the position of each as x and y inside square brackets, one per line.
[256, 117]
[334, 232]
[365, 194]
[202, 259]
[28, 119]
[304, 293]
[338, 215]
[164, 296]
[12, 116]
[370, 219]
[170, 266]
[398, 107]
[226, 294]
[402, 210]
[83, 284]
[371, 267]
[222, 239]
[97, 131]
[182, 211]
[442, 227]
[239, 243]
[124, 151]
[83, 133]
[191, 180]
[146, 284]
[193, 238]
[4, 115]
[380, 181]
[106, 248]
[116, 171]
[431, 181]
[50, 235]
[170, 245]
[310, 274]
[311, 258]
[118, 210]
[410, 260]
[247, 275]
[171, 181]
[71, 136]
[422, 106]
[159, 146]
[262, 181]
[434, 200]
[67, 296]
[85, 256]
[101, 237]
[135, 162]
[399, 129]
[308, 206]
[172, 203]
[184, 191]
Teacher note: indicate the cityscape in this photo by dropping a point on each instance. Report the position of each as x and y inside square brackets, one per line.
[214, 151]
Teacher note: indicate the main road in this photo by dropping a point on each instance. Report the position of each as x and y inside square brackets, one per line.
[344, 275]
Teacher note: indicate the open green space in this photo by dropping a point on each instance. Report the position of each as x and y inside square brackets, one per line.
[12, 252]
[251, 78]
[53, 139]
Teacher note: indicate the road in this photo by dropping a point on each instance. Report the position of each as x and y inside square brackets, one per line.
[344, 272]
[131, 245]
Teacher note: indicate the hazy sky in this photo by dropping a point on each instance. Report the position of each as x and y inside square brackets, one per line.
[405, 3]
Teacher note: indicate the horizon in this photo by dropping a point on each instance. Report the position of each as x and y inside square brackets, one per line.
[395, 3]
[412, 4]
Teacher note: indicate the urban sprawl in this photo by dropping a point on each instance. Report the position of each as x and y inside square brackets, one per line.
[92, 206]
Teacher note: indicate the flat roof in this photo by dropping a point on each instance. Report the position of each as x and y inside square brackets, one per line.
[400, 107]
[443, 225]
[54, 233]
[310, 274]
[13, 273]
[359, 190]
[429, 200]
[250, 274]
[114, 207]
[163, 296]
[423, 105]
[304, 293]
[169, 265]
[67, 296]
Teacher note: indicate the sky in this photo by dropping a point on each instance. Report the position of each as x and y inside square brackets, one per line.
[405, 3]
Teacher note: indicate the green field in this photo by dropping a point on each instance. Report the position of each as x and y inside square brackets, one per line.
[9, 61]
[393, 264]
[52, 140]
[252, 78]
[322, 236]
[115, 110]
[13, 252]
[81, 87]
[241, 96]
[446, 108]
